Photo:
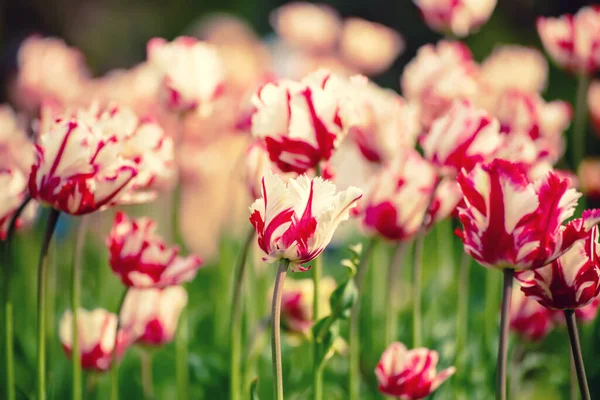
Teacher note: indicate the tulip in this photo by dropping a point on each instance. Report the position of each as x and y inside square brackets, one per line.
[78, 170]
[461, 138]
[295, 221]
[14, 192]
[97, 331]
[572, 40]
[16, 150]
[151, 314]
[192, 71]
[530, 320]
[585, 314]
[571, 281]
[455, 17]
[141, 259]
[368, 46]
[297, 303]
[301, 123]
[396, 204]
[383, 122]
[438, 75]
[257, 165]
[312, 27]
[409, 374]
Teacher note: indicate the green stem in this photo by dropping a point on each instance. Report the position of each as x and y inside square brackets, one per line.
[236, 314]
[417, 277]
[503, 340]
[181, 356]
[146, 371]
[579, 125]
[41, 303]
[577, 356]
[317, 368]
[492, 286]
[394, 268]
[354, 335]
[276, 330]
[114, 370]
[75, 296]
[462, 319]
[573, 384]
[8, 306]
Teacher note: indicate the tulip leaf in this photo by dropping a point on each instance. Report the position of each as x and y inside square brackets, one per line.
[343, 298]
[325, 331]
[254, 389]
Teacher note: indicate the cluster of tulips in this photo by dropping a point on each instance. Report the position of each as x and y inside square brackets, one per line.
[473, 141]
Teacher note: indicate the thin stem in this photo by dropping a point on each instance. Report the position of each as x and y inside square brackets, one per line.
[492, 293]
[462, 319]
[503, 341]
[276, 329]
[114, 369]
[577, 357]
[8, 306]
[394, 268]
[579, 125]
[573, 383]
[416, 294]
[354, 336]
[317, 368]
[75, 296]
[41, 303]
[146, 371]
[236, 314]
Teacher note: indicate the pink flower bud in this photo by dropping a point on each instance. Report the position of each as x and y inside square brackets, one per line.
[510, 222]
[151, 315]
[569, 282]
[573, 41]
[410, 374]
[96, 337]
[528, 318]
[14, 191]
[141, 259]
[589, 177]
[457, 17]
[296, 220]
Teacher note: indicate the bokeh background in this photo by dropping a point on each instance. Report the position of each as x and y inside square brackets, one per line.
[113, 34]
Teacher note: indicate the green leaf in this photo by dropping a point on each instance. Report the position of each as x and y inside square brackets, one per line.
[325, 331]
[254, 389]
[343, 298]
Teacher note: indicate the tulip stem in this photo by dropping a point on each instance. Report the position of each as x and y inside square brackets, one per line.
[75, 296]
[276, 329]
[41, 303]
[317, 367]
[577, 357]
[574, 385]
[354, 336]
[146, 371]
[236, 314]
[503, 340]
[417, 269]
[579, 125]
[114, 369]
[462, 319]
[8, 306]
[394, 268]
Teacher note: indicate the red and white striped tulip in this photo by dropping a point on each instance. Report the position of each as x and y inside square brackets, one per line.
[296, 220]
[510, 222]
[569, 282]
[301, 123]
[151, 315]
[396, 204]
[383, 123]
[193, 73]
[461, 138]
[78, 169]
[141, 259]
[438, 75]
[14, 192]
[257, 165]
[409, 374]
[16, 150]
[96, 337]
[528, 318]
[456, 17]
[573, 41]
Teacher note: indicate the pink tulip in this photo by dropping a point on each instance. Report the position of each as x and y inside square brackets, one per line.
[141, 259]
[589, 177]
[96, 337]
[151, 315]
[573, 41]
[528, 318]
[510, 222]
[296, 220]
[457, 17]
[16, 150]
[410, 374]
[14, 191]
